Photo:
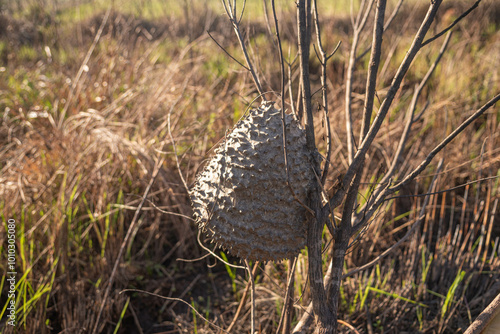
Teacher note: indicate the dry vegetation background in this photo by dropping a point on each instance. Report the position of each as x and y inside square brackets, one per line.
[83, 120]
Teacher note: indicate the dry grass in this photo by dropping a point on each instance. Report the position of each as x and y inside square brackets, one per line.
[78, 151]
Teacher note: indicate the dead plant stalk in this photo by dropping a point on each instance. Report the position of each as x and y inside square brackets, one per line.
[325, 289]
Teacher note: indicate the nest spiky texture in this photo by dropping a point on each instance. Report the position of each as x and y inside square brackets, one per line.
[242, 199]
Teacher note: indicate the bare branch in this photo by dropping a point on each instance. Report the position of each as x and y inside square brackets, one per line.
[384, 108]
[283, 124]
[445, 190]
[413, 106]
[358, 28]
[225, 51]
[441, 33]
[290, 90]
[231, 13]
[323, 58]
[371, 80]
[225, 8]
[334, 50]
[242, 10]
[284, 322]
[443, 144]
[407, 235]
[266, 17]
[252, 296]
[386, 26]
[390, 190]
[343, 234]
[396, 161]
[361, 25]
[326, 167]
[177, 300]
[393, 15]
[304, 43]
[308, 315]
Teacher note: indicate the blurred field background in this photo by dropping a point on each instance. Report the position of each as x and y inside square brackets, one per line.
[91, 97]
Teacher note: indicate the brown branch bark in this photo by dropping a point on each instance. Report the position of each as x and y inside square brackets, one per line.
[358, 28]
[384, 108]
[304, 50]
[396, 161]
[423, 165]
[485, 317]
[231, 13]
[407, 235]
[324, 320]
[371, 80]
[441, 33]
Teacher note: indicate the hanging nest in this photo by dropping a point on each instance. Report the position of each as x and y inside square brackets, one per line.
[242, 199]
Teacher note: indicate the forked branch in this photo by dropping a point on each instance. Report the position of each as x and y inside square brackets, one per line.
[423, 165]
[410, 119]
[445, 30]
[416, 224]
[231, 13]
[358, 28]
[384, 108]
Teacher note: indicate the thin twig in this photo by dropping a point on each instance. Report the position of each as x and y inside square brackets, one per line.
[356, 164]
[172, 137]
[396, 161]
[446, 190]
[444, 143]
[193, 260]
[217, 256]
[231, 13]
[243, 298]
[242, 10]
[414, 227]
[284, 322]
[266, 17]
[226, 52]
[423, 165]
[441, 33]
[135, 219]
[159, 209]
[386, 26]
[176, 300]
[283, 123]
[252, 296]
[323, 58]
[290, 90]
[371, 80]
[358, 28]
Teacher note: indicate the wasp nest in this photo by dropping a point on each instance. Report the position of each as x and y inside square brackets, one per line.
[242, 199]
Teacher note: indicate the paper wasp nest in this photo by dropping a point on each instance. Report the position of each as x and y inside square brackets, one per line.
[241, 198]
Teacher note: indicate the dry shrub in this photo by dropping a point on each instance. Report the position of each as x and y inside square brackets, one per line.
[74, 180]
